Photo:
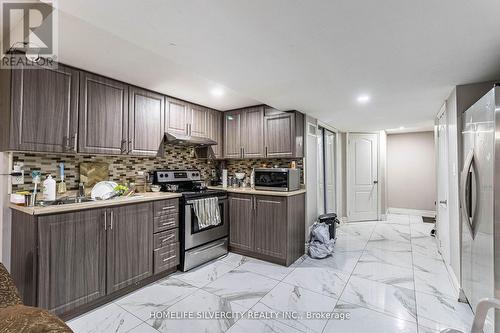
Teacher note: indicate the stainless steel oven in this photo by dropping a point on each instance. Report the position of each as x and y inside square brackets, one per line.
[202, 245]
[277, 179]
[193, 236]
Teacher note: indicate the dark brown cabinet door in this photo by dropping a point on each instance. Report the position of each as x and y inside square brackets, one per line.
[129, 244]
[103, 115]
[252, 134]
[241, 226]
[232, 134]
[72, 259]
[271, 226]
[177, 116]
[279, 135]
[198, 120]
[44, 109]
[146, 122]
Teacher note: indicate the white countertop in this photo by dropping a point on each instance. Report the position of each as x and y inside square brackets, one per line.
[141, 197]
[247, 190]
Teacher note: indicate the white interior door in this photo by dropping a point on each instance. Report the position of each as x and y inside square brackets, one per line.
[362, 172]
[443, 219]
[330, 179]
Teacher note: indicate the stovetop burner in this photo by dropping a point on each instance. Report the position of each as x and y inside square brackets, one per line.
[186, 182]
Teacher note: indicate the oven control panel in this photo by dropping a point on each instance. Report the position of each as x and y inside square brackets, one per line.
[177, 176]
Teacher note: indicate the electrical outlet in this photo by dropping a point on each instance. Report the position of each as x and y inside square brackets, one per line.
[18, 180]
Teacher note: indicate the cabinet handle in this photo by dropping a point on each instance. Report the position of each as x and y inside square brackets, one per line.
[169, 207]
[112, 220]
[170, 258]
[75, 142]
[266, 151]
[168, 238]
[122, 149]
[105, 220]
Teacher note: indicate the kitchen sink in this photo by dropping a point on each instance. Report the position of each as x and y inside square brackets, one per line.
[64, 201]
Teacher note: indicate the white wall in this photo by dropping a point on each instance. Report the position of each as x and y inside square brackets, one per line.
[5, 220]
[453, 180]
[311, 174]
[411, 174]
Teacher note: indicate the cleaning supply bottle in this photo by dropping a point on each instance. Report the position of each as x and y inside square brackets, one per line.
[49, 189]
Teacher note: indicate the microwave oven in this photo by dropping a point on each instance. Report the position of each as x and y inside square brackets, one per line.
[277, 179]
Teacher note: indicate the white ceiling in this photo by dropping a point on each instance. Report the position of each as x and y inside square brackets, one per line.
[313, 56]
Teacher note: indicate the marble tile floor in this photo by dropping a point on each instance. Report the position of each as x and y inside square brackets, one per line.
[385, 276]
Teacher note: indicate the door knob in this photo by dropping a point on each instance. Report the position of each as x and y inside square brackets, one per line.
[443, 202]
[375, 182]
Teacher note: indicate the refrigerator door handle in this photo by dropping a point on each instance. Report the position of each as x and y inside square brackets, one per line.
[465, 195]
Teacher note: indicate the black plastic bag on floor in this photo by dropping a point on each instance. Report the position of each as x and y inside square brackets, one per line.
[320, 244]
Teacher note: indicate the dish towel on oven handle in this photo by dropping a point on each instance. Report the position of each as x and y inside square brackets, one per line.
[207, 212]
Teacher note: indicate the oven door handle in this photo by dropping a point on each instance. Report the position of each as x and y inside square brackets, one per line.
[224, 200]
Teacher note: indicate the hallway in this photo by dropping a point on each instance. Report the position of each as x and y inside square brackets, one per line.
[388, 275]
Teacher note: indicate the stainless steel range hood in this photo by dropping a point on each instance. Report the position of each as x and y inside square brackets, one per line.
[185, 140]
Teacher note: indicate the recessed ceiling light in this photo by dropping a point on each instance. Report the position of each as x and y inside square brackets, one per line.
[401, 127]
[363, 99]
[217, 92]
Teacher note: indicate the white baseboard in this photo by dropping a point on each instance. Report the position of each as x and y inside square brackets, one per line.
[415, 212]
[343, 219]
[383, 217]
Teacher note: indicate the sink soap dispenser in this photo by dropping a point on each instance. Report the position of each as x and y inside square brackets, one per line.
[49, 189]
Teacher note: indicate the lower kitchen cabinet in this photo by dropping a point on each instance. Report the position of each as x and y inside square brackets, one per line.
[72, 259]
[129, 245]
[71, 262]
[267, 227]
[241, 216]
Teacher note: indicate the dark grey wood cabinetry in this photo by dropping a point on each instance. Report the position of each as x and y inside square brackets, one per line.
[146, 122]
[72, 259]
[103, 115]
[177, 119]
[241, 217]
[232, 134]
[283, 133]
[270, 225]
[244, 133]
[185, 118]
[71, 262]
[39, 109]
[129, 245]
[198, 120]
[267, 227]
[262, 131]
[252, 132]
[215, 132]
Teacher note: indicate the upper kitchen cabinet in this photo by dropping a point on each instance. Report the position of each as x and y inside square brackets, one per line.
[215, 131]
[252, 134]
[176, 119]
[232, 134]
[198, 121]
[185, 118]
[244, 133]
[283, 133]
[103, 115]
[146, 122]
[39, 109]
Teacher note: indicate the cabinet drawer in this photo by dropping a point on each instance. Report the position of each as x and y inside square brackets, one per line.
[165, 222]
[166, 257]
[166, 207]
[164, 238]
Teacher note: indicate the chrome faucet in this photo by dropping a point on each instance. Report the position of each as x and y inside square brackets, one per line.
[81, 190]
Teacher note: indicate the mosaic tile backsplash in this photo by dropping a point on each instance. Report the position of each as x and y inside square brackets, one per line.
[123, 169]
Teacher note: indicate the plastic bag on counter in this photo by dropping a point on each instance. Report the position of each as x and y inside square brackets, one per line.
[320, 244]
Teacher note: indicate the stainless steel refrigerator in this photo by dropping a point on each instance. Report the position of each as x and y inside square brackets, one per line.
[480, 203]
